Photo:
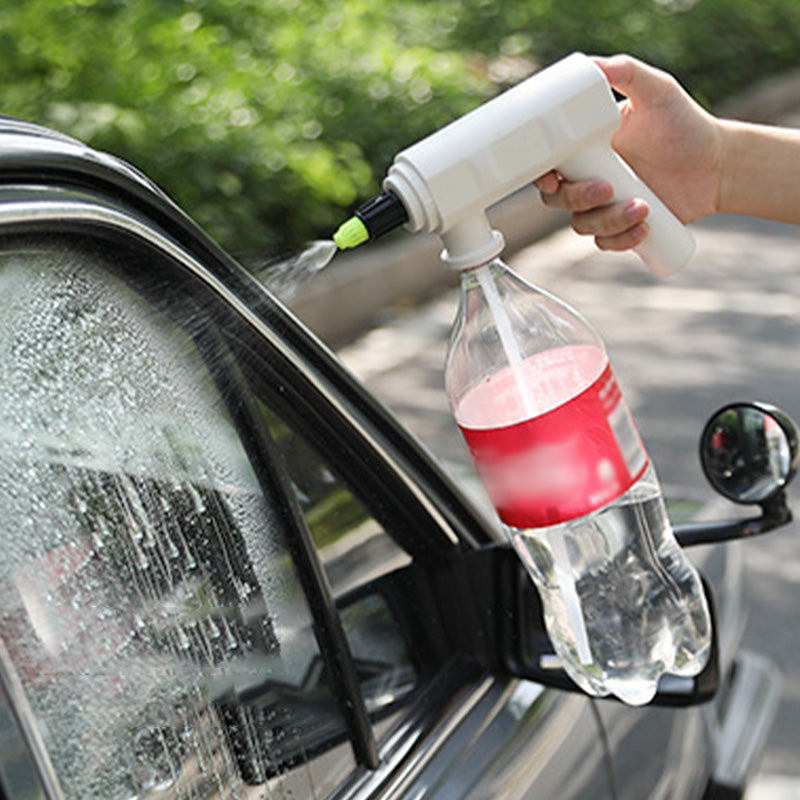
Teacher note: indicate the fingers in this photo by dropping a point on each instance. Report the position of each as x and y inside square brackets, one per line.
[624, 241]
[610, 221]
[549, 183]
[622, 72]
[615, 226]
[619, 226]
[573, 196]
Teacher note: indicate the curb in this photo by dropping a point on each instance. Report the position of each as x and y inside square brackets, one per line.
[771, 101]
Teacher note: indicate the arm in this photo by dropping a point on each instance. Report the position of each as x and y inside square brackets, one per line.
[761, 174]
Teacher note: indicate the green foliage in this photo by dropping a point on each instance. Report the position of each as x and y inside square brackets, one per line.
[715, 47]
[267, 120]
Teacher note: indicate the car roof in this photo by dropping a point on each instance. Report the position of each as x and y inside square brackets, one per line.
[33, 154]
[31, 151]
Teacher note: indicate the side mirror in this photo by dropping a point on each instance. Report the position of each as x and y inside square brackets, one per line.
[749, 453]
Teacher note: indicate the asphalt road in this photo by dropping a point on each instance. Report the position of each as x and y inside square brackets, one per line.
[726, 328]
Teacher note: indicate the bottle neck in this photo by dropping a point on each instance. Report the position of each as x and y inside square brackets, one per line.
[470, 278]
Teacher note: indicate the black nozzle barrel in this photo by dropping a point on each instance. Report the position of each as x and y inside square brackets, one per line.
[383, 213]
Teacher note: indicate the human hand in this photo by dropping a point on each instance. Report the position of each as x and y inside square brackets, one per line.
[672, 144]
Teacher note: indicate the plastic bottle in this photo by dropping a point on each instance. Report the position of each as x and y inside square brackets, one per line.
[531, 388]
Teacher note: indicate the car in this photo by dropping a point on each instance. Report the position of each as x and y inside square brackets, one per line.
[226, 571]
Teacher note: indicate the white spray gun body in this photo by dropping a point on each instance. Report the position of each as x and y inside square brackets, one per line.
[560, 118]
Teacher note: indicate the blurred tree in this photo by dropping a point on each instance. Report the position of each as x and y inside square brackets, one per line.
[268, 119]
[715, 47]
[264, 120]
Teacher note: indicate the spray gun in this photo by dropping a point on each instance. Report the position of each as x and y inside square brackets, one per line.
[561, 118]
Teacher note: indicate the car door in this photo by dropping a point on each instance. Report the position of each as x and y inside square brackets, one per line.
[668, 752]
[222, 563]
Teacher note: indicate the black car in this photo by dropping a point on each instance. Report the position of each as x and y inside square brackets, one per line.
[227, 572]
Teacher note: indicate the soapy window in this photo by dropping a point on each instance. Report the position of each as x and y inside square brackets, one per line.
[150, 610]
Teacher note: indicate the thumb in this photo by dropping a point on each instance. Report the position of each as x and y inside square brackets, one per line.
[639, 82]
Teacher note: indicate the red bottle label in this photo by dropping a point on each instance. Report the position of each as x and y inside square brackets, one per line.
[564, 462]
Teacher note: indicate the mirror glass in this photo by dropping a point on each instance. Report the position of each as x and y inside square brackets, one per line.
[748, 452]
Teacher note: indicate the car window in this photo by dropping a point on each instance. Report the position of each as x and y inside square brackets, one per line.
[151, 614]
[356, 552]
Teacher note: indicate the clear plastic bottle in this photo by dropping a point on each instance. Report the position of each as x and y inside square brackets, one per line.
[531, 388]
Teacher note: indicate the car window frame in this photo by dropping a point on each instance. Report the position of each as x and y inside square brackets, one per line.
[262, 453]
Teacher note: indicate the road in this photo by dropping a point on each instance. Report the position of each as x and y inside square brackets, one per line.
[726, 328]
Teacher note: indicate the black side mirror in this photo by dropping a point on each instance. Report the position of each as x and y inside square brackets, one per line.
[749, 453]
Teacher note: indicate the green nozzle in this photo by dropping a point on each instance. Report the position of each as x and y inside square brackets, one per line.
[351, 234]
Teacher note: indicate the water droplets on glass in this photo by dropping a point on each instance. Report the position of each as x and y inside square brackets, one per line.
[147, 601]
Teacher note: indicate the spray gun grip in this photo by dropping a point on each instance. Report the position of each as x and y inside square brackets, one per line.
[668, 245]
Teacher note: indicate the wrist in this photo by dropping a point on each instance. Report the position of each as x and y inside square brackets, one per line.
[731, 149]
